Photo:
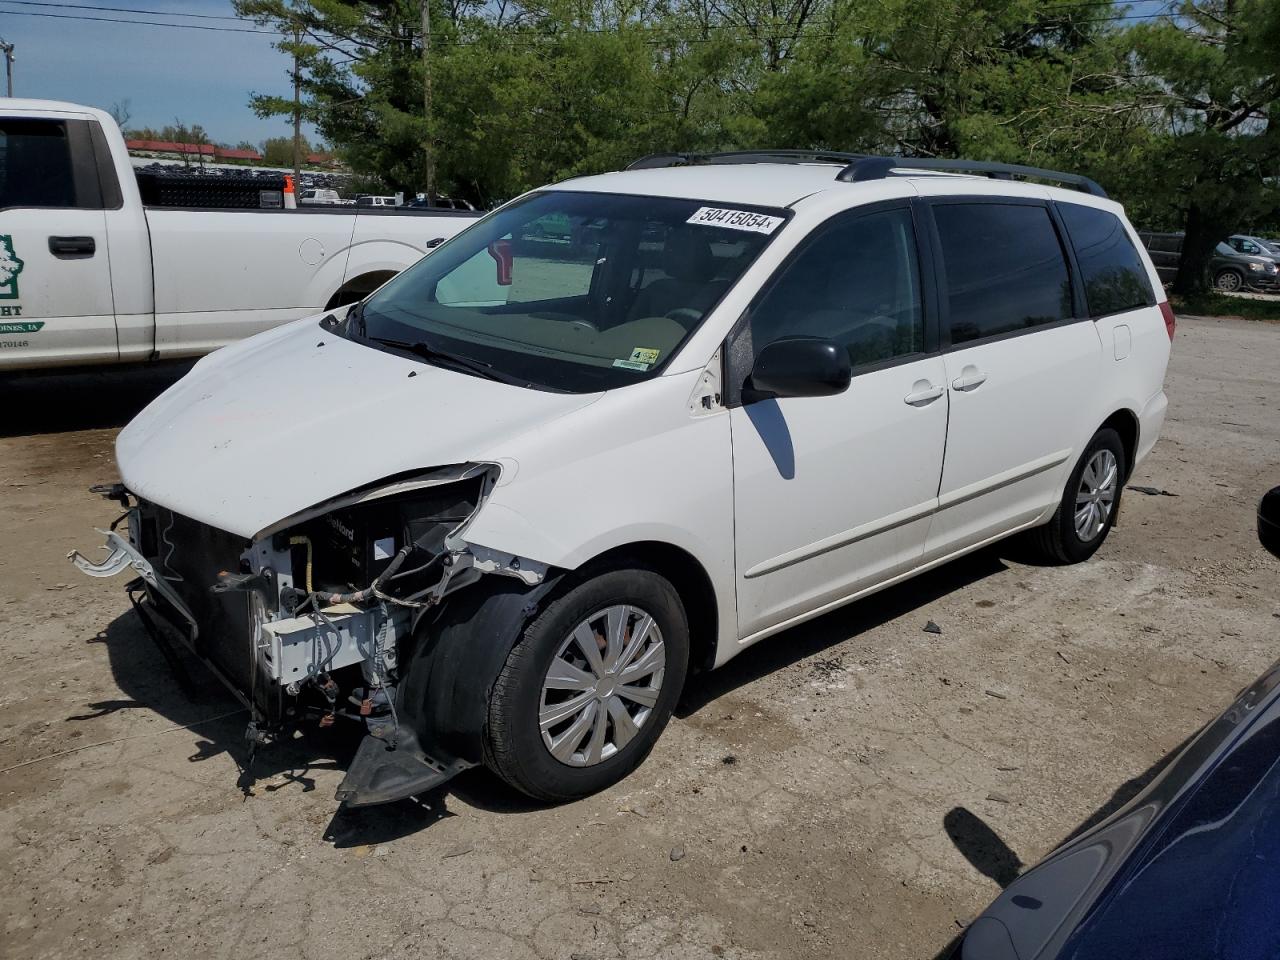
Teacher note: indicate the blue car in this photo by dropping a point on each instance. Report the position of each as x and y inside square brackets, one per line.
[1189, 869]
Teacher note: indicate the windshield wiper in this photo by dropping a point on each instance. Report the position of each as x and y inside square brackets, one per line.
[425, 351]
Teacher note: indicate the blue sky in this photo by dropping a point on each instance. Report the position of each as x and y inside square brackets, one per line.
[201, 76]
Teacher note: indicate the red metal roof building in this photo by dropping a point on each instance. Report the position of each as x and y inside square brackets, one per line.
[207, 150]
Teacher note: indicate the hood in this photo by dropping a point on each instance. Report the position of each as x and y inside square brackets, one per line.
[275, 424]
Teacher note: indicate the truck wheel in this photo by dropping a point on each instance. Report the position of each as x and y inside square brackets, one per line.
[1229, 280]
[589, 686]
[1089, 503]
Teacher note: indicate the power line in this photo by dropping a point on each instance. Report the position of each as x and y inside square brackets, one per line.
[140, 23]
[527, 40]
[87, 6]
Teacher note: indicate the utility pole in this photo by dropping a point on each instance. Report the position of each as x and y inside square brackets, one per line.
[426, 100]
[297, 106]
[7, 49]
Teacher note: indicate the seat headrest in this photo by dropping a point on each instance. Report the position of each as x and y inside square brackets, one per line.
[688, 256]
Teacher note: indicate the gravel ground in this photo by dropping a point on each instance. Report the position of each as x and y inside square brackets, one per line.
[855, 787]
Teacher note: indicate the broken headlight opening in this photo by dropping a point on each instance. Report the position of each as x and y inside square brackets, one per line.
[311, 621]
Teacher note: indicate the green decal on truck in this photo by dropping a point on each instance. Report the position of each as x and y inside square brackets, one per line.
[10, 267]
[30, 326]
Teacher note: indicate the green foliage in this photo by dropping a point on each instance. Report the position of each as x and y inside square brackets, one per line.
[1175, 114]
[278, 151]
[1216, 305]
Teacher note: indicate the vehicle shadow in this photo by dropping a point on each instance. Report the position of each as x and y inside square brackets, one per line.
[987, 853]
[835, 627]
[196, 699]
[83, 399]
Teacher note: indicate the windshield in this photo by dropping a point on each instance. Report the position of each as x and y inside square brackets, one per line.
[577, 292]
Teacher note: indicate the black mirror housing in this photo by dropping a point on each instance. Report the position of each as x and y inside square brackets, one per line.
[801, 367]
[1269, 522]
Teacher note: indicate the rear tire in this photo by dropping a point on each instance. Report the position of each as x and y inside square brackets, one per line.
[612, 712]
[1089, 504]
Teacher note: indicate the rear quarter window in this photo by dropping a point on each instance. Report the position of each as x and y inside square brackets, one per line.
[1005, 268]
[1115, 279]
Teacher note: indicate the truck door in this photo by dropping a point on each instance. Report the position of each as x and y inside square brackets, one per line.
[55, 276]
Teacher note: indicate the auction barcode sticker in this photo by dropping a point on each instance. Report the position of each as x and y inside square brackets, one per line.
[735, 219]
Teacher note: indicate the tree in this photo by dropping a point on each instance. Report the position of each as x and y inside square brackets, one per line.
[290, 19]
[525, 92]
[279, 151]
[1206, 79]
[121, 113]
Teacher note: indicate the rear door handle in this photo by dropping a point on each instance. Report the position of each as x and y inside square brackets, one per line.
[923, 393]
[971, 378]
[72, 246]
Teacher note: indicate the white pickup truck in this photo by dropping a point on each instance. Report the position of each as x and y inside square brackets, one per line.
[89, 275]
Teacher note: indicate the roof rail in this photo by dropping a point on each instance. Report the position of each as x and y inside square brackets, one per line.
[657, 160]
[877, 168]
[861, 167]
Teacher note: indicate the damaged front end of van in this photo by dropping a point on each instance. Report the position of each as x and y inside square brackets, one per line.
[313, 620]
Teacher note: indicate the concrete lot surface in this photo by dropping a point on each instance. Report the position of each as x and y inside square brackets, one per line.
[855, 787]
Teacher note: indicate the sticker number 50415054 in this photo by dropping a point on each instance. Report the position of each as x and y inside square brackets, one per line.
[735, 219]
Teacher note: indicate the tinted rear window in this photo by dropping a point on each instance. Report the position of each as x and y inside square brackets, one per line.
[1114, 278]
[1005, 268]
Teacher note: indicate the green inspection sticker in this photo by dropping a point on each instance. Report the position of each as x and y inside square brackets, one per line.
[26, 326]
[631, 365]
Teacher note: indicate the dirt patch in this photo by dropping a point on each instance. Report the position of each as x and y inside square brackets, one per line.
[856, 781]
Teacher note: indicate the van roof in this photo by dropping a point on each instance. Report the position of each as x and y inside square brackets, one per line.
[777, 184]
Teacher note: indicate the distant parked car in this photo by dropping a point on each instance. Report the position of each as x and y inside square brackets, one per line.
[1231, 268]
[1254, 245]
[1189, 868]
[367, 200]
[320, 198]
[1166, 253]
[440, 203]
[1232, 271]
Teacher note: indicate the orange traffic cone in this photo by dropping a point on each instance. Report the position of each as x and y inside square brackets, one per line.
[290, 198]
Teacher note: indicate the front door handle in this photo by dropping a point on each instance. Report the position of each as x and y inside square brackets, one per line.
[922, 393]
[72, 246]
[971, 378]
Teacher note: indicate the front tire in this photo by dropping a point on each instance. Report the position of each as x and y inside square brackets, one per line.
[1089, 504]
[1229, 281]
[589, 687]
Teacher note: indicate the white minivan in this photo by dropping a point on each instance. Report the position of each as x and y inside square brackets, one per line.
[624, 427]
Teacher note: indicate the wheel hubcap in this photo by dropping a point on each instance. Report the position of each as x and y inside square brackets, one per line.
[1228, 281]
[602, 685]
[1097, 495]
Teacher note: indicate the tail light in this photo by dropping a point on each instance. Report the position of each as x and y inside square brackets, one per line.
[1166, 311]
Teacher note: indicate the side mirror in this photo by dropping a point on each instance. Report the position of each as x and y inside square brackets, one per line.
[1269, 522]
[801, 367]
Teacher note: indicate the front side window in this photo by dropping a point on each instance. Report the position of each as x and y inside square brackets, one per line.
[857, 282]
[1005, 268]
[1115, 279]
[570, 291]
[35, 164]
